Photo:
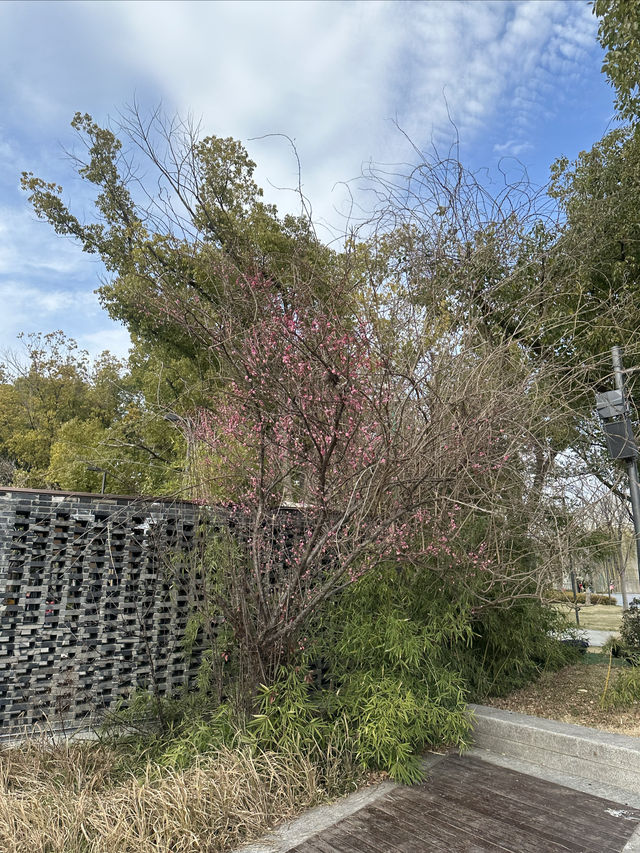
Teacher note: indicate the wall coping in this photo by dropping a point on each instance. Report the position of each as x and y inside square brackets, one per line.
[99, 495]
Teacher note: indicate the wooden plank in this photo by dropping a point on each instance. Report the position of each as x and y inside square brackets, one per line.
[427, 832]
[545, 821]
[597, 830]
[570, 812]
[393, 833]
[342, 840]
[535, 820]
[317, 844]
[409, 840]
[489, 830]
[467, 770]
[469, 806]
[510, 781]
[529, 791]
[353, 833]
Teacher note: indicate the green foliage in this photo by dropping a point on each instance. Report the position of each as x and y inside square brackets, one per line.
[384, 672]
[625, 691]
[54, 385]
[627, 645]
[595, 264]
[630, 633]
[290, 716]
[619, 33]
[196, 736]
[172, 731]
[204, 214]
[565, 597]
[403, 648]
[386, 646]
[199, 220]
[395, 719]
[64, 420]
[404, 652]
[514, 645]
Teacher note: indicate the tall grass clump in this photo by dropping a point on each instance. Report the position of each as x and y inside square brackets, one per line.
[82, 799]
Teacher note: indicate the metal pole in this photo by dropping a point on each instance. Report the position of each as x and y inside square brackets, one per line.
[632, 467]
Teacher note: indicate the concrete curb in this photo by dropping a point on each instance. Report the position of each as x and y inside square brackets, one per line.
[603, 757]
[322, 817]
[315, 820]
[633, 844]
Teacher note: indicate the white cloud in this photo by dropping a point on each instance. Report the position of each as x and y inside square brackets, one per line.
[29, 246]
[511, 148]
[43, 309]
[113, 338]
[7, 153]
[30, 303]
[333, 76]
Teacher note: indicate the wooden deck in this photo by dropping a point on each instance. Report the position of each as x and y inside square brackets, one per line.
[470, 806]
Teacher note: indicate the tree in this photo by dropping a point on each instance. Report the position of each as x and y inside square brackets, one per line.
[200, 204]
[381, 389]
[55, 385]
[598, 250]
[383, 461]
[619, 34]
[200, 211]
[615, 521]
[65, 421]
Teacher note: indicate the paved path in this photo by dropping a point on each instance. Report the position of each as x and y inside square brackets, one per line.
[598, 638]
[468, 805]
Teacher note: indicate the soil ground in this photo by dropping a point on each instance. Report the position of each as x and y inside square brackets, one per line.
[572, 695]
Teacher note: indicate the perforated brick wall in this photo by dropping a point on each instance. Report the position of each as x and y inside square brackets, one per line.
[88, 608]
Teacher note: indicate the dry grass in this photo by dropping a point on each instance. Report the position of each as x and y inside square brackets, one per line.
[573, 695]
[599, 617]
[77, 799]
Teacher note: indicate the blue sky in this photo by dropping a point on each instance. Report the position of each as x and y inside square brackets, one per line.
[520, 79]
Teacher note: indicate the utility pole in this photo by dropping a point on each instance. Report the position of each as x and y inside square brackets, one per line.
[631, 461]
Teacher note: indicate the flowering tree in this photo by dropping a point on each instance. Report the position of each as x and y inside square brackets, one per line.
[393, 400]
[333, 455]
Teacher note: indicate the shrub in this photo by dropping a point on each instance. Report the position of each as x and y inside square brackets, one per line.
[565, 597]
[626, 690]
[386, 645]
[601, 599]
[403, 653]
[628, 646]
[385, 670]
[513, 646]
[630, 628]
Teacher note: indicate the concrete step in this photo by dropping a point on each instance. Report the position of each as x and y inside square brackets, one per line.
[602, 757]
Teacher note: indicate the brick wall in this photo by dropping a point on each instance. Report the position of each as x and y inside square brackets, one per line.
[88, 608]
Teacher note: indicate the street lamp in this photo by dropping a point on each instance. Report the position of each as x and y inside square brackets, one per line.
[614, 414]
[615, 417]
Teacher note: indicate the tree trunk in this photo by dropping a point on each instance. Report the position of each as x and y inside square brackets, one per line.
[623, 579]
